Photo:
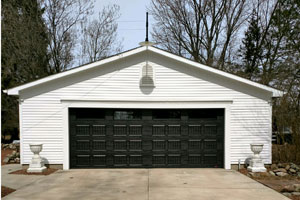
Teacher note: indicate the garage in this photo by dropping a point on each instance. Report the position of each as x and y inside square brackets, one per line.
[146, 138]
[145, 108]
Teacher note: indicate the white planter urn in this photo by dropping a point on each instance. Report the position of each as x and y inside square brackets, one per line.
[256, 163]
[36, 164]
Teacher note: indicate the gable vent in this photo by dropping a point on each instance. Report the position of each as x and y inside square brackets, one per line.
[147, 76]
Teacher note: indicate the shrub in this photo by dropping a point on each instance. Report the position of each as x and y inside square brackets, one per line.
[285, 153]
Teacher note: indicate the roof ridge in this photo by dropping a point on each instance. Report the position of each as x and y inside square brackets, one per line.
[15, 90]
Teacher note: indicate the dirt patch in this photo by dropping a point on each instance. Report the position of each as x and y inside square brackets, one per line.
[274, 182]
[295, 197]
[243, 171]
[6, 191]
[24, 172]
[278, 185]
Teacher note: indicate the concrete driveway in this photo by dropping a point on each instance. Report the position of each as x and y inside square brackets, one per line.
[145, 184]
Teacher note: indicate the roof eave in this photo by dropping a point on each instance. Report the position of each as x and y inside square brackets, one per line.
[15, 90]
[275, 92]
[11, 92]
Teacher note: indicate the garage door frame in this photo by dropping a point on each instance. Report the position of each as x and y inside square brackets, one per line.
[66, 104]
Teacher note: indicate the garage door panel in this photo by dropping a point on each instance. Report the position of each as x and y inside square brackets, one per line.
[195, 159]
[136, 160]
[159, 160]
[99, 160]
[210, 160]
[83, 160]
[82, 130]
[120, 130]
[159, 130]
[210, 145]
[99, 145]
[99, 130]
[135, 145]
[210, 131]
[175, 160]
[195, 145]
[120, 145]
[120, 160]
[82, 145]
[195, 130]
[109, 146]
[159, 145]
[174, 145]
[145, 138]
[135, 130]
[174, 130]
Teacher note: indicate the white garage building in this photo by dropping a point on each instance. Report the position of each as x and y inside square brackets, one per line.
[145, 108]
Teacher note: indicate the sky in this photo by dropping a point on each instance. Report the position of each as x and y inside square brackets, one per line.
[132, 23]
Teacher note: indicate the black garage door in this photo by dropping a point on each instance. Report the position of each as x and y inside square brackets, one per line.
[108, 138]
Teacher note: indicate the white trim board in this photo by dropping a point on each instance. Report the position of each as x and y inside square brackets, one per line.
[77, 104]
[16, 90]
[21, 131]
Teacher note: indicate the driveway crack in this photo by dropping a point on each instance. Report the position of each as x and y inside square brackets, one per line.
[148, 183]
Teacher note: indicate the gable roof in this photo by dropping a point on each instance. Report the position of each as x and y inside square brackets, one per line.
[16, 90]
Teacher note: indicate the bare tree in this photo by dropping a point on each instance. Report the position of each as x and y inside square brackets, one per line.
[62, 18]
[100, 36]
[200, 29]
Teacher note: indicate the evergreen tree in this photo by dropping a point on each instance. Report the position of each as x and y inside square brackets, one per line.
[251, 50]
[24, 53]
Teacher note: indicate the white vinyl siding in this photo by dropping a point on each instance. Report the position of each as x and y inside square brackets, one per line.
[41, 106]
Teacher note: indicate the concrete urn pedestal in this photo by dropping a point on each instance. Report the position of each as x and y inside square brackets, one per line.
[36, 164]
[256, 163]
